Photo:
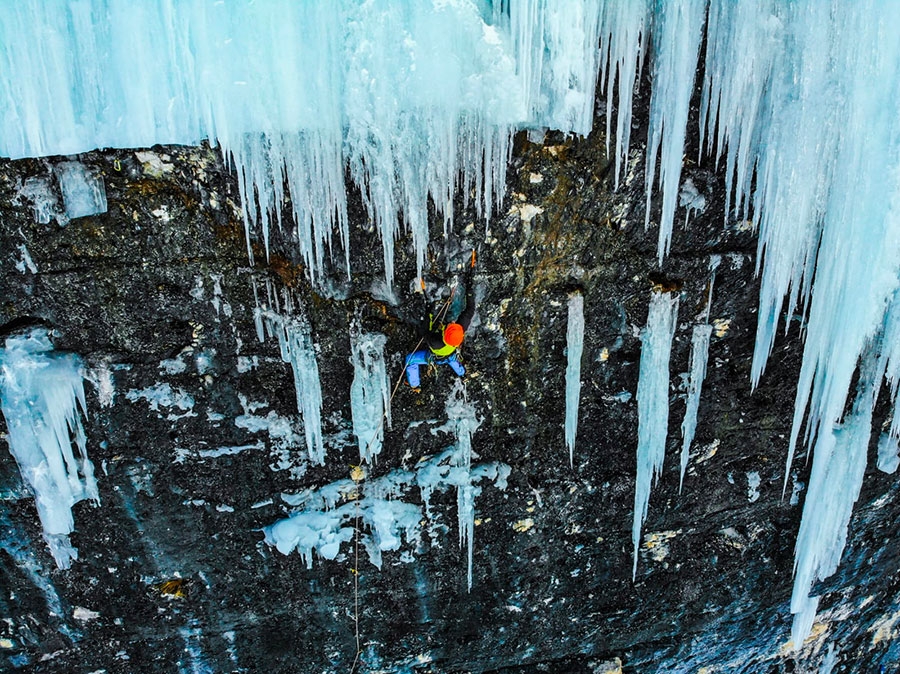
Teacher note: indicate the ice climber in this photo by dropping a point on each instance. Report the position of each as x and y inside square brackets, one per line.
[441, 340]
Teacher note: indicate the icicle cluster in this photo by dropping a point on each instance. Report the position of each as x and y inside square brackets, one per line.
[416, 100]
[279, 319]
[41, 393]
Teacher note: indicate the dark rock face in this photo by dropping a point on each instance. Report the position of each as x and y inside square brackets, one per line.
[172, 572]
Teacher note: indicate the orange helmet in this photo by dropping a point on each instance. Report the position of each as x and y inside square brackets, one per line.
[453, 334]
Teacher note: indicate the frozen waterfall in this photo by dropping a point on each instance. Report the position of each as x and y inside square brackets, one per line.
[798, 101]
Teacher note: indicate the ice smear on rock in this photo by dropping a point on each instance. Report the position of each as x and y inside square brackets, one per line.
[653, 404]
[574, 346]
[83, 192]
[41, 392]
[381, 507]
[370, 395]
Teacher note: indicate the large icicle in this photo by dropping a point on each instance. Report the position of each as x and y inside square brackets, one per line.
[41, 392]
[653, 404]
[677, 30]
[574, 346]
[699, 356]
[837, 473]
[370, 395]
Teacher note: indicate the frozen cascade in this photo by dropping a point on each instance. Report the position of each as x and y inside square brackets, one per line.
[370, 394]
[678, 28]
[293, 333]
[574, 346]
[653, 403]
[41, 392]
[355, 91]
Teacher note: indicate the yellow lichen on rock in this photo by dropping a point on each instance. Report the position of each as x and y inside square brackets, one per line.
[523, 525]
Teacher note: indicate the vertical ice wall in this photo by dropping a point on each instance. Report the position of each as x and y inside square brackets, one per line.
[653, 404]
[41, 392]
[574, 346]
[370, 394]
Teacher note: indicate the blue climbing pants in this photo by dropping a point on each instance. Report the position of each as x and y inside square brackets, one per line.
[425, 357]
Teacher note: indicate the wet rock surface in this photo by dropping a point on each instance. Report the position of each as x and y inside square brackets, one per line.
[173, 574]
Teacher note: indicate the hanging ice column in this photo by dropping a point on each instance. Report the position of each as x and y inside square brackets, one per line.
[653, 404]
[41, 392]
[574, 346]
[370, 395]
[699, 356]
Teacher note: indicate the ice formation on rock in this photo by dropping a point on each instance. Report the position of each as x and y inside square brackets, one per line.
[42, 398]
[279, 319]
[380, 507]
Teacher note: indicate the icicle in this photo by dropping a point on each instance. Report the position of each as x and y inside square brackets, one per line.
[699, 355]
[370, 396]
[41, 392]
[574, 345]
[677, 29]
[653, 404]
